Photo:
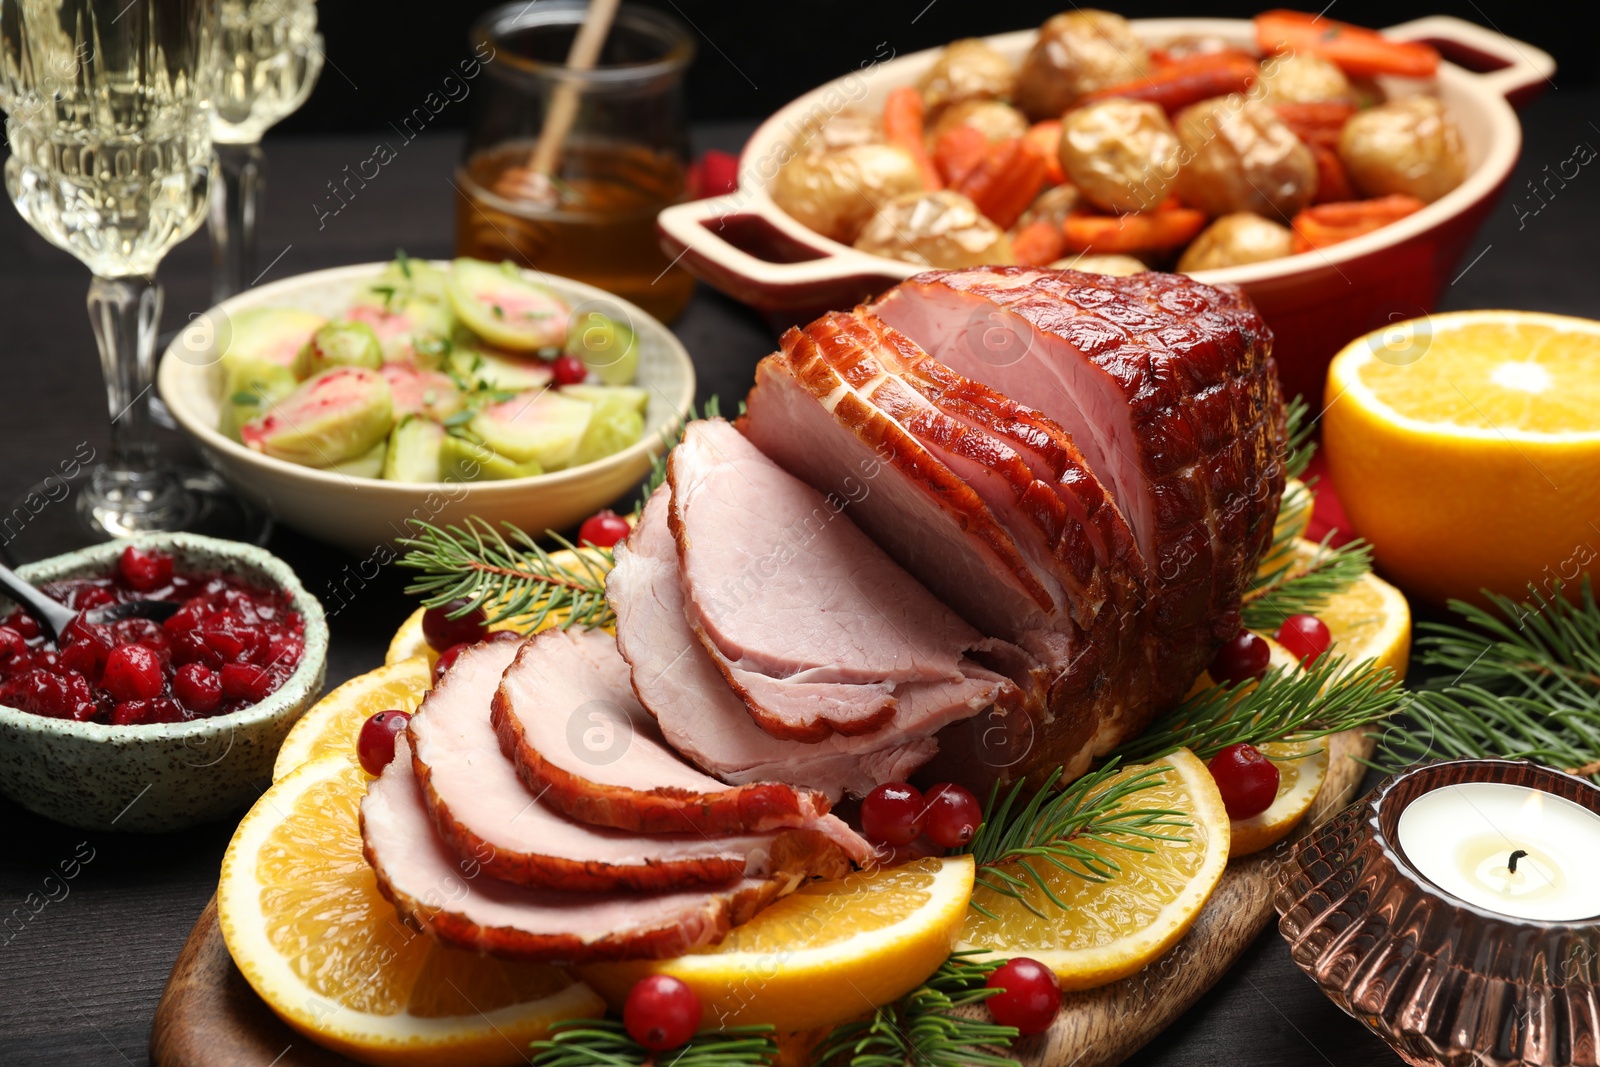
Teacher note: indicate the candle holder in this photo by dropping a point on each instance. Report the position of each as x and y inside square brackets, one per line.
[1442, 981]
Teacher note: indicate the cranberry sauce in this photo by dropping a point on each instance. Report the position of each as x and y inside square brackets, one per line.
[229, 646]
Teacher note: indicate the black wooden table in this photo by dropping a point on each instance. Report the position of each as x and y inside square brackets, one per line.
[79, 982]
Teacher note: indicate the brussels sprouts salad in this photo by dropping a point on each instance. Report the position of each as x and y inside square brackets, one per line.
[472, 373]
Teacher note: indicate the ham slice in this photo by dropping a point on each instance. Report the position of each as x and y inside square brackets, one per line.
[1169, 389]
[454, 900]
[567, 717]
[810, 621]
[485, 811]
[702, 718]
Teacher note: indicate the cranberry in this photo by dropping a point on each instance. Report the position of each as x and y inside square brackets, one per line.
[1247, 780]
[183, 620]
[603, 529]
[1305, 636]
[952, 816]
[568, 370]
[225, 642]
[1240, 660]
[89, 597]
[132, 672]
[892, 814]
[447, 659]
[24, 624]
[442, 631]
[375, 743]
[245, 682]
[661, 1012]
[198, 687]
[12, 644]
[1032, 995]
[143, 570]
[144, 712]
[503, 636]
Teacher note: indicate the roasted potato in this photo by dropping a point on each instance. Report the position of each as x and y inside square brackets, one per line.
[967, 70]
[836, 192]
[1410, 146]
[843, 129]
[1195, 44]
[1107, 263]
[1235, 239]
[1302, 78]
[1239, 156]
[1051, 206]
[993, 119]
[1121, 154]
[1077, 53]
[938, 229]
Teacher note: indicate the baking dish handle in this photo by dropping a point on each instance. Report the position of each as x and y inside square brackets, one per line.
[799, 272]
[1523, 72]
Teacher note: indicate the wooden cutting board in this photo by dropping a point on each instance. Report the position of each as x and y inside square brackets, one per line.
[210, 1017]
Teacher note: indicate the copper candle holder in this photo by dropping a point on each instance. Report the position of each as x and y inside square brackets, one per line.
[1442, 981]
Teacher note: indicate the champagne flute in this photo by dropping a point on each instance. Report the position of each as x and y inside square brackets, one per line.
[269, 55]
[107, 113]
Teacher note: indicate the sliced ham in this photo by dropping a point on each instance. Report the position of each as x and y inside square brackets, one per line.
[702, 718]
[809, 620]
[567, 717]
[485, 811]
[457, 902]
[1169, 389]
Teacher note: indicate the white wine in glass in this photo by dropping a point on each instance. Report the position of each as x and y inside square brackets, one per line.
[107, 115]
[269, 55]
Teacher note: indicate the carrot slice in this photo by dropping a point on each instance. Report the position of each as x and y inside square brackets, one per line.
[1038, 244]
[1046, 137]
[1138, 232]
[1333, 184]
[958, 152]
[1354, 49]
[1186, 81]
[1316, 124]
[902, 126]
[1006, 181]
[1329, 224]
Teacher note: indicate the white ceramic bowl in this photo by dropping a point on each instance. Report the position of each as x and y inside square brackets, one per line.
[164, 776]
[364, 514]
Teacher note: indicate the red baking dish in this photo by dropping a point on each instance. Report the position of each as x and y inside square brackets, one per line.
[744, 245]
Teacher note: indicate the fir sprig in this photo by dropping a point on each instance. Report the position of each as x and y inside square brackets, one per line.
[1291, 587]
[1054, 826]
[1520, 681]
[924, 1028]
[671, 435]
[605, 1043]
[1286, 705]
[1299, 441]
[508, 574]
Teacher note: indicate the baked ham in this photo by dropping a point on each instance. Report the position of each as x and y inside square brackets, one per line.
[808, 620]
[483, 810]
[702, 718]
[1168, 388]
[455, 901]
[567, 717]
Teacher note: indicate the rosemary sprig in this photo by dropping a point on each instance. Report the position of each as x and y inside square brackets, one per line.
[1053, 827]
[604, 1043]
[923, 1028]
[1286, 705]
[1520, 681]
[1292, 588]
[507, 574]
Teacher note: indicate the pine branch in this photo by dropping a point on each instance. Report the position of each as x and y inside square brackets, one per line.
[1292, 588]
[1521, 681]
[671, 435]
[508, 574]
[1299, 444]
[1286, 705]
[604, 1043]
[1051, 828]
[922, 1028]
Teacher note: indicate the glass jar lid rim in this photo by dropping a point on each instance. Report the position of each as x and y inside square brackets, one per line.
[496, 23]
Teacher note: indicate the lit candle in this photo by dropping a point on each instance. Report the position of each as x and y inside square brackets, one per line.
[1508, 848]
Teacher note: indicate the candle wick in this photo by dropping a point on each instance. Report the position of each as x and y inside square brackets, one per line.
[1511, 864]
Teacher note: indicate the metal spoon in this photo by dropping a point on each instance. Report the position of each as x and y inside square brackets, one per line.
[54, 616]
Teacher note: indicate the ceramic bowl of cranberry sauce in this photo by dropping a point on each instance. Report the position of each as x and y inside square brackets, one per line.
[149, 726]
